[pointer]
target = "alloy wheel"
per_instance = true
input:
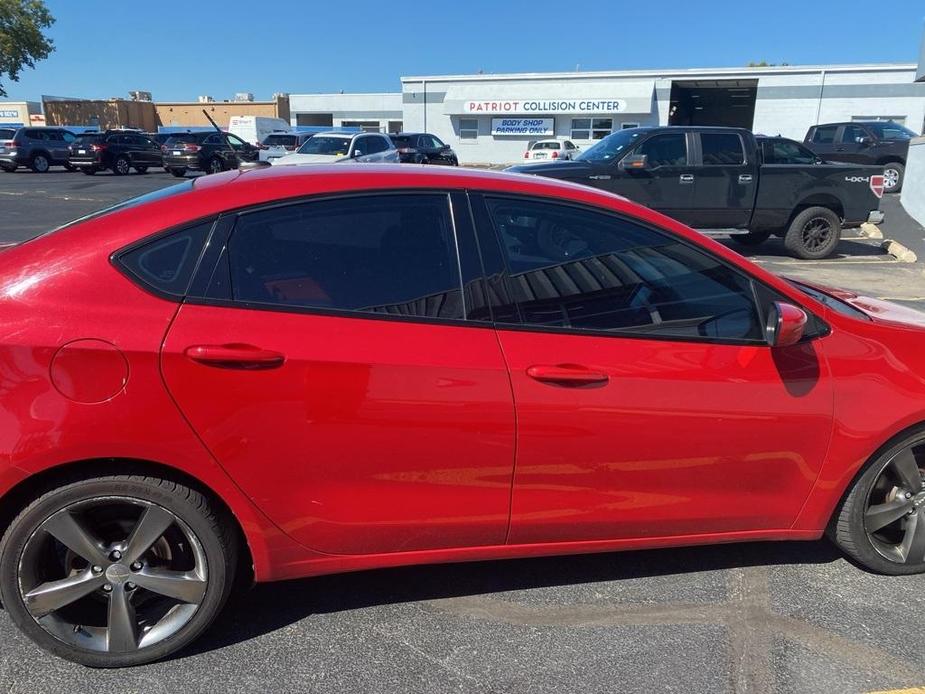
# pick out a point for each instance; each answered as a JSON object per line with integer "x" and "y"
{"x": 122, "y": 166}
{"x": 816, "y": 233}
{"x": 40, "y": 163}
{"x": 113, "y": 574}
{"x": 890, "y": 178}
{"x": 894, "y": 515}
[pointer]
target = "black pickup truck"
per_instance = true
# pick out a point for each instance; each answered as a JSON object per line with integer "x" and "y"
{"x": 726, "y": 178}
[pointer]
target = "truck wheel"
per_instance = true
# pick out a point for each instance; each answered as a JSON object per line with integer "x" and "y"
{"x": 813, "y": 234}
{"x": 893, "y": 177}
{"x": 752, "y": 238}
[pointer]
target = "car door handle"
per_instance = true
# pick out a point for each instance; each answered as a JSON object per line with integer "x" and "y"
{"x": 745, "y": 178}
{"x": 235, "y": 356}
{"x": 687, "y": 178}
{"x": 599, "y": 177}
{"x": 567, "y": 375}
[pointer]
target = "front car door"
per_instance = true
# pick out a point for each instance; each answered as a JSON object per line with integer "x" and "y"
{"x": 822, "y": 141}
{"x": 853, "y": 144}
{"x": 726, "y": 182}
{"x": 648, "y": 403}
{"x": 330, "y": 367}
{"x": 667, "y": 182}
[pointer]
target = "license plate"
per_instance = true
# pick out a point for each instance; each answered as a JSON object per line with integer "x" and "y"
{"x": 81, "y": 151}
{"x": 176, "y": 153}
{"x": 539, "y": 155}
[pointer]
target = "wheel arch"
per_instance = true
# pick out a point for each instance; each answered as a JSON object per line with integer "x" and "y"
{"x": 826, "y": 200}
{"x": 890, "y": 159}
{"x": 26, "y": 490}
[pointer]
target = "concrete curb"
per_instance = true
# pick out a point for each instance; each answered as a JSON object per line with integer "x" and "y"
{"x": 899, "y": 251}
{"x": 871, "y": 231}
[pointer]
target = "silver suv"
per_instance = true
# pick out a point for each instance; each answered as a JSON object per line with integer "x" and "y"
{"x": 37, "y": 148}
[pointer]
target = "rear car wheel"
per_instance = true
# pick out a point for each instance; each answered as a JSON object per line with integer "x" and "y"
{"x": 752, "y": 238}
{"x": 8, "y": 169}
{"x": 179, "y": 173}
{"x": 893, "y": 174}
{"x": 70, "y": 167}
{"x": 215, "y": 165}
{"x": 121, "y": 166}
{"x": 881, "y": 523}
{"x": 813, "y": 234}
{"x": 39, "y": 163}
{"x": 88, "y": 170}
{"x": 141, "y": 169}
{"x": 116, "y": 571}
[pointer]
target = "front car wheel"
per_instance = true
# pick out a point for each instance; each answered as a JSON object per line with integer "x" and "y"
{"x": 116, "y": 571}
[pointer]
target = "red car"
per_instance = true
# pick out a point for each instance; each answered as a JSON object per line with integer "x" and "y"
{"x": 291, "y": 372}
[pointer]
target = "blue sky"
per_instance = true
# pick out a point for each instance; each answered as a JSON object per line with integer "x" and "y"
{"x": 178, "y": 50}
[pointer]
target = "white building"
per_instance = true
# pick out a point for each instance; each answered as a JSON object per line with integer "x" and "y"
{"x": 372, "y": 112}
{"x": 493, "y": 118}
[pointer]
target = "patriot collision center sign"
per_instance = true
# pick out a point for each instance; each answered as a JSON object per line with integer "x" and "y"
{"x": 541, "y": 127}
{"x": 547, "y": 106}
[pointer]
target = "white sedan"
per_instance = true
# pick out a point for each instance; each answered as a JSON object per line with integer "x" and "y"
{"x": 325, "y": 148}
{"x": 543, "y": 150}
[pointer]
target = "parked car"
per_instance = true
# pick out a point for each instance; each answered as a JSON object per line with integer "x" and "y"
{"x": 280, "y": 144}
{"x": 325, "y": 148}
{"x": 37, "y": 148}
{"x": 253, "y": 129}
{"x": 543, "y": 150}
{"x": 713, "y": 178}
{"x": 423, "y": 148}
{"x": 345, "y": 368}
{"x": 160, "y": 138}
{"x": 205, "y": 151}
{"x": 883, "y": 143}
{"x": 118, "y": 150}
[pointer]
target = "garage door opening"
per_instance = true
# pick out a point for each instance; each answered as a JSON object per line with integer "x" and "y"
{"x": 729, "y": 103}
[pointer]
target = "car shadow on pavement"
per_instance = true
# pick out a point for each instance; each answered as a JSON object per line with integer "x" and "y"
{"x": 269, "y": 607}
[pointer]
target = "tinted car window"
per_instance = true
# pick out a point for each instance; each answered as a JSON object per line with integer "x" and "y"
{"x": 584, "y": 270}
{"x": 167, "y": 264}
{"x": 88, "y": 139}
{"x": 825, "y": 135}
{"x": 6, "y": 134}
{"x": 376, "y": 144}
{"x": 665, "y": 150}
{"x": 722, "y": 149}
{"x": 852, "y": 134}
{"x": 390, "y": 254}
{"x": 547, "y": 145}
{"x": 889, "y": 130}
{"x": 786, "y": 152}
{"x": 182, "y": 138}
{"x": 404, "y": 141}
{"x": 280, "y": 140}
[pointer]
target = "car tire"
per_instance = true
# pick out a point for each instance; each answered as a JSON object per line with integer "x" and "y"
{"x": 752, "y": 238}
{"x": 179, "y": 173}
{"x": 893, "y": 174}
{"x": 141, "y": 169}
{"x": 40, "y": 163}
{"x": 880, "y": 490}
{"x": 70, "y": 167}
{"x": 30, "y": 553}
{"x": 121, "y": 166}
{"x": 88, "y": 170}
{"x": 813, "y": 234}
{"x": 215, "y": 165}
{"x": 8, "y": 169}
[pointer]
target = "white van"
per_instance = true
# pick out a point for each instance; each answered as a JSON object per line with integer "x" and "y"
{"x": 254, "y": 128}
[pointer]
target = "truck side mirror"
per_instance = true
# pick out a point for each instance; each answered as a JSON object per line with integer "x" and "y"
{"x": 635, "y": 162}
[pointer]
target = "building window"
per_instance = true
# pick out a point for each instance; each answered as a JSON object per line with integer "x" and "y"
{"x": 468, "y": 128}
{"x": 627, "y": 126}
{"x": 591, "y": 128}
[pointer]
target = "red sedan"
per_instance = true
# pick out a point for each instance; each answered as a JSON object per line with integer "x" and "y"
{"x": 304, "y": 371}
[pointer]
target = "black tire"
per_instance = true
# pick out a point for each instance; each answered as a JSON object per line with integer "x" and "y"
{"x": 893, "y": 174}
{"x": 752, "y": 238}
{"x": 215, "y": 165}
{"x": 121, "y": 166}
{"x": 848, "y": 528}
{"x": 813, "y": 234}
{"x": 70, "y": 167}
{"x": 88, "y": 170}
{"x": 215, "y": 539}
{"x": 141, "y": 169}
{"x": 8, "y": 169}
{"x": 179, "y": 173}
{"x": 40, "y": 163}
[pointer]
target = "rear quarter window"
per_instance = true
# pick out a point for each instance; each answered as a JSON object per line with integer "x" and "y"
{"x": 166, "y": 264}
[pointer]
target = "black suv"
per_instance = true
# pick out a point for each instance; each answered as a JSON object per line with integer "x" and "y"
{"x": 206, "y": 151}
{"x": 37, "y": 148}
{"x": 423, "y": 148}
{"x": 885, "y": 143}
{"x": 118, "y": 150}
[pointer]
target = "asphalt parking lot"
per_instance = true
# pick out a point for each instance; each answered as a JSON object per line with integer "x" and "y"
{"x": 787, "y": 617}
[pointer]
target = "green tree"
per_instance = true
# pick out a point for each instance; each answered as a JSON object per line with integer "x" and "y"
{"x": 21, "y": 39}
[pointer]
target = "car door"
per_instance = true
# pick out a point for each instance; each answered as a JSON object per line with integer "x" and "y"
{"x": 57, "y": 147}
{"x": 853, "y": 144}
{"x": 434, "y": 149}
{"x": 823, "y": 142}
{"x": 149, "y": 154}
{"x": 648, "y": 404}
{"x": 332, "y": 371}
{"x": 666, "y": 183}
{"x": 725, "y": 182}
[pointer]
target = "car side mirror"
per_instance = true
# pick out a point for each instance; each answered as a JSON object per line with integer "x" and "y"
{"x": 865, "y": 141}
{"x": 635, "y": 162}
{"x": 445, "y": 148}
{"x": 785, "y": 324}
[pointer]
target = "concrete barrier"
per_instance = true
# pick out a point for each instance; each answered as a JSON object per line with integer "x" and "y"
{"x": 912, "y": 196}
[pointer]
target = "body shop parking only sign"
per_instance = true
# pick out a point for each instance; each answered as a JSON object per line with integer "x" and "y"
{"x": 536, "y": 127}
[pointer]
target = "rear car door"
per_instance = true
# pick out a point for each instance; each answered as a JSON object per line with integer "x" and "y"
{"x": 666, "y": 183}
{"x": 726, "y": 182}
{"x": 330, "y": 366}
{"x": 822, "y": 141}
{"x": 57, "y": 147}
{"x": 648, "y": 404}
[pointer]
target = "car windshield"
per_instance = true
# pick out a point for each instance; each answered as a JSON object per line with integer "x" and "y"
{"x": 280, "y": 140}
{"x": 889, "y": 130}
{"x": 332, "y": 146}
{"x": 611, "y": 146}
{"x": 836, "y": 305}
